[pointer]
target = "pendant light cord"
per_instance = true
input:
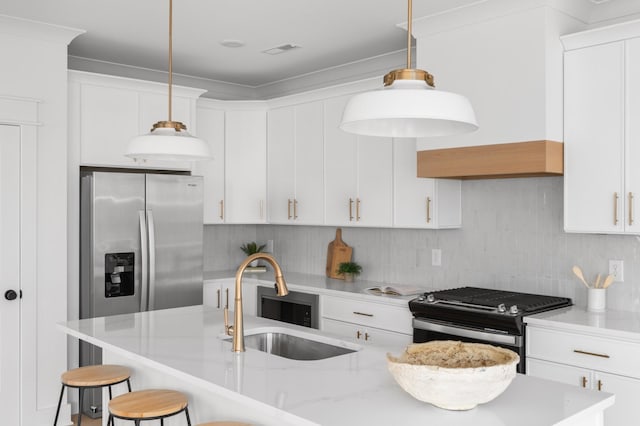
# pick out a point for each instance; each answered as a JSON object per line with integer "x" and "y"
{"x": 171, "y": 53}
{"x": 409, "y": 19}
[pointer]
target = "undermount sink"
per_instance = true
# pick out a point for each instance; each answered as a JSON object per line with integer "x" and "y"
{"x": 299, "y": 346}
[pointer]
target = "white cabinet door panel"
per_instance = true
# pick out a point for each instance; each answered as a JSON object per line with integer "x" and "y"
{"x": 281, "y": 164}
{"x": 309, "y": 164}
{"x": 594, "y": 123}
{"x": 374, "y": 204}
{"x": 211, "y": 129}
{"x": 560, "y": 373}
{"x": 246, "y": 174}
{"x": 632, "y": 136}
{"x": 366, "y": 335}
{"x": 626, "y": 391}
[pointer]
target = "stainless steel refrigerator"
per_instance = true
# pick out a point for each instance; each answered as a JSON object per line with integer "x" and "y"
{"x": 140, "y": 248}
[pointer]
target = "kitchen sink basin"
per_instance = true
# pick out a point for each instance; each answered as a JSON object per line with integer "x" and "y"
{"x": 299, "y": 346}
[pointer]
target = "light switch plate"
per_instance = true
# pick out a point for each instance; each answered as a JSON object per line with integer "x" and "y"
{"x": 436, "y": 257}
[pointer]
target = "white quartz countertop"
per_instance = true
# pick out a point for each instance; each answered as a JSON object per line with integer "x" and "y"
{"x": 612, "y": 324}
{"x": 349, "y": 389}
{"x": 317, "y": 284}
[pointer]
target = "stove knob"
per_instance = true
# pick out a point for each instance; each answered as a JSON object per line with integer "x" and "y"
{"x": 431, "y": 298}
{"x": 501, "y": 308}
{"x": 420, "y": 298}
{"x": 514, "y": 309}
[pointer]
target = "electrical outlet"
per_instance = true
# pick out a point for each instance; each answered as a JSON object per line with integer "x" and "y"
{"x": 436, "y": 257}
{"x": 616, "y": 268}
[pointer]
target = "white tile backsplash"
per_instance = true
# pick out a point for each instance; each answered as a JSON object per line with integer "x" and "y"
{"x": 512, "y": 238}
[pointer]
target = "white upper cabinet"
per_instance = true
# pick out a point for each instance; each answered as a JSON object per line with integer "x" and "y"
{"x": 358, "y": 174}
{"x": 113, "y": 110}
{"x": 422, "y": 202}
{"x": 211, "y": 128}
{"x": 602, "y": 97}
{"x": 295, "y": 164}
{"x": 245, "y": 172}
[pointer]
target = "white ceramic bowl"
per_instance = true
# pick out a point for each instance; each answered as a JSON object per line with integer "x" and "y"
{"x": 458, "y": 388}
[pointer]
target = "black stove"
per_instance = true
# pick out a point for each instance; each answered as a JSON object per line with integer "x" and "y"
{"x": 476, "y": 314}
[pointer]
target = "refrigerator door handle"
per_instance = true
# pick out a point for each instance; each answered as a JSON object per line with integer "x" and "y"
{"x": 152, "y": 260}
{"x": 144, "y": 283}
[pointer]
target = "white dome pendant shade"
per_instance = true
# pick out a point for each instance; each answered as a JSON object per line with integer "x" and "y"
{"x": 168, "y": 140}
{"x": 408, "y": 106}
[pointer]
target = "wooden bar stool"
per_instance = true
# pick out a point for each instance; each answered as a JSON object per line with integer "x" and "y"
{"x": 150, "y": 404}
{"x": 92, "y": 376}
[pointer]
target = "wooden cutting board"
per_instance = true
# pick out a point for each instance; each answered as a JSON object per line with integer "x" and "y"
{"x": 337, "y": 253}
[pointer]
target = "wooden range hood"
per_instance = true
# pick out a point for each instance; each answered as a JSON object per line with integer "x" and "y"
{"x": 520, "y": 159}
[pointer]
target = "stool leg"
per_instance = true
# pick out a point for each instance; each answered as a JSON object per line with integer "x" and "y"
{"x": 110, "y": 421}
{"x": 110, "y": 396}
{"x": 55, "y": 422}
{"x": 81, "y": 390}
{"x": 129, "y": 385}
{"x": 186, "y": 412}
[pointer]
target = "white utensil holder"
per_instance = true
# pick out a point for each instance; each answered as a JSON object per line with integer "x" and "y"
{"x": 596, "y": 299}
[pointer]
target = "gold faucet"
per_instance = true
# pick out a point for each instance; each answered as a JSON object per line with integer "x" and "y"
{"x": 237, "y": 330}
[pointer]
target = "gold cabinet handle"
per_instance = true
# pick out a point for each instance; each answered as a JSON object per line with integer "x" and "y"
{"x": 227, "y": 296}
{"x": 295, "y": 209}
{"x": 630, "y": 208}
{"x": 362, "y": 313}
{"x": 615, "y": 208}
{"x": 358, "y": 334}
{"x": 357, "y": 209}
{"x": 218, "y": 291}
{"x": 366, "y": 336}
{"x": 221, "y": 209}
{"x": 599, "y": 385}
{"x": 289, "y": 208}
{"x": 428, "y": 209}
{"x": 584, "y": 382}
{"x": 350, "y": 209}
{"x": 591, "y": 353}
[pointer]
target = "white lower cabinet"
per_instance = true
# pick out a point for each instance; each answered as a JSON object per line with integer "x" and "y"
{"x": 220, "y": 294}
{"x": 589, "y": 362}
{"x": 367, "y": 322}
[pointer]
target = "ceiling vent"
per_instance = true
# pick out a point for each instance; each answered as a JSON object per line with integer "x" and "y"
{"x": 280, "y": 49}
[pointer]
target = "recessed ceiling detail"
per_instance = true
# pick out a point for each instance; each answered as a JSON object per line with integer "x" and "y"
{"x": 281, "y": 49}
{"x": 232, "y": 43}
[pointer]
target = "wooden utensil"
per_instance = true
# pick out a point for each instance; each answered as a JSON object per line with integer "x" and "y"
{"x": 337, "y": 252}
{"x": 578, "y": 272}
{"x": 597, "y": 282}
{"x": 608, "y": 281}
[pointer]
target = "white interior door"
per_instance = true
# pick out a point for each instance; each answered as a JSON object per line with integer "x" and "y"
{"x": 10, "y": 274}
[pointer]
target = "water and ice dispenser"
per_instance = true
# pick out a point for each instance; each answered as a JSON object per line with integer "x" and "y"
{"x": 118, "y": 274}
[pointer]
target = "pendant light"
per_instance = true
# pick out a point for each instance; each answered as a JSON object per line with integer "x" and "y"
{"x": 168, "y": 140}
{"x": 408, "y": 106}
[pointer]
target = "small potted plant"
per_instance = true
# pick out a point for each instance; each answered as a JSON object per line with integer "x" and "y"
{"x": 349, "y": 270}
{"x": 252, "y": 248}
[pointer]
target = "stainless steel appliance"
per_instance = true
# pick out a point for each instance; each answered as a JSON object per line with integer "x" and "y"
{"x": 481, "y": 315}
{"x": 295, "y": 308}
{"x": 140, "y": 248}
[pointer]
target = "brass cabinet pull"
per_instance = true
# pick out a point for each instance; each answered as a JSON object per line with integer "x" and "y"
{"x": 584, "y": 382}
{"x": 358, "y": 334}
{"x": 222, "y": 209}
{"x": 362, "y": 313}
{"x": 428, "y": 209}
{"x": 295, "y": 209}
{"x": 366, "y": 336}
{"x": 615, "y": 208}
{"x": 288, "y": 208}
{"x": 599, "y": 385}
{"x": 350, "y": 209}
{"x": 631, "y": 208}
{"x": 218, "y": 291}
{"x": 591, "y": 353}
{"x": 227, "y": 303}
{"x": 357, "y": 209}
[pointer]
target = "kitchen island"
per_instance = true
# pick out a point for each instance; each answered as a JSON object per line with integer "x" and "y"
{"x": 184, "y": 349}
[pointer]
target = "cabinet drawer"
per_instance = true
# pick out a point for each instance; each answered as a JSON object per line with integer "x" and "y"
{"x": 367, "y": 335}
{"x": 386, "y": 317}
{"x": 597, "y": 353}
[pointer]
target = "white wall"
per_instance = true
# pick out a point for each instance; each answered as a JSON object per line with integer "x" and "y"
{"x": 34, "y": 66}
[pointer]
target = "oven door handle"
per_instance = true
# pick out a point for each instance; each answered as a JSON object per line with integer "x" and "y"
{"x": 505, "y": 339}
